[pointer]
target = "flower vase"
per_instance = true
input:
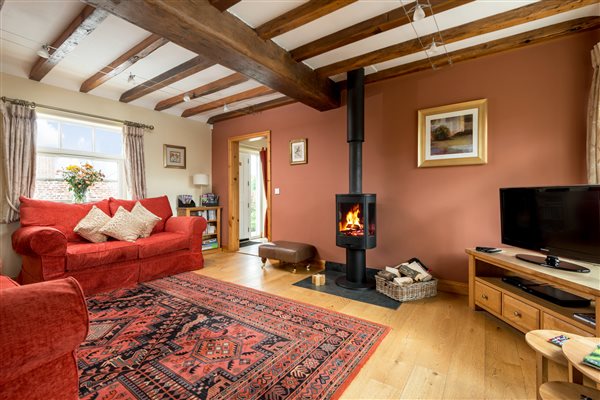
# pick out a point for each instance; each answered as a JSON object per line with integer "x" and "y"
{"x": 80, "y": 197}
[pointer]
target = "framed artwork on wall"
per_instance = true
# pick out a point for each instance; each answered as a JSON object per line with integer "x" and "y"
{"x": 173, "y": 156}
{"x": 454, "y": 134}
{"x": 298, "y": 151}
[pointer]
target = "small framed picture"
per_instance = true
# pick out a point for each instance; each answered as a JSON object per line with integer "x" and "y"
{"x": 298, "y": 151}
{"x": 454, "y": 134}
{"x": 173, "y": 156}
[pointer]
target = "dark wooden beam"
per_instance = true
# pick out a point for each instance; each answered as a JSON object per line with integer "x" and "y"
{"x": 201, "y": 28}
{"x": 372, "y": 26}
{"x": 212, "y": 87}
{"x": 267, "y": 105}
{"x": 81, "y": 26}
{"x": 493, "y": 23}
{"x": 248, "y": 94}
{"x": 124, "y": 61}
{"x": 299, "y": 16}
{"x": 178, "y": 73}
{"x": 509, "y": 43}
{"x": 223, "y": 5}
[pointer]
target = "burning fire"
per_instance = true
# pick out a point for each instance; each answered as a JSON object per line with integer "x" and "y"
{"x": 352, "y": 225}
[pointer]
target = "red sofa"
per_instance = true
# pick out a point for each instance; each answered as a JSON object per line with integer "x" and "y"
{"x": 50, "y": 249}
{"x": 42, "y": 327}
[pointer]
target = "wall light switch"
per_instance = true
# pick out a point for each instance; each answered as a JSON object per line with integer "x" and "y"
{"x": 276, "y": 190}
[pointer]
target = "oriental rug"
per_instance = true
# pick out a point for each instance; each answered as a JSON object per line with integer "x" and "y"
{"x": 193, "y": 337}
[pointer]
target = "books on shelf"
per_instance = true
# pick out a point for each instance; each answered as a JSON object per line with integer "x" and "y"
{"x": 209, "y": 215}
{"x": 209, "y": 244}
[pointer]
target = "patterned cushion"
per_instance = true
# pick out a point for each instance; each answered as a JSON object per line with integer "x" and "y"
{"x": 123, "y": 226}
{"x": 157, "y": 205}
{"x": 148, "y": 218}
{"x": 89, "y": 226}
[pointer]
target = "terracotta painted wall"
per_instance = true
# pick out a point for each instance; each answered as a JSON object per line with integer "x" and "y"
{"x": 537, "y": 99}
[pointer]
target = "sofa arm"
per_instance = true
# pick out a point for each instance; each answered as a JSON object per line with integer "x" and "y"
{"x": 40, "y": 323}
{"x": 39, "y": 241}
{"x": 192, "y": 226}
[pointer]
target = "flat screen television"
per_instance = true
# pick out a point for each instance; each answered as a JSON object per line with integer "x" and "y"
{"x": 557, "y": 221}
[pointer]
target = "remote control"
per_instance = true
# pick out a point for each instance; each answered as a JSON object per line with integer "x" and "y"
{"x": 484, "y": 249}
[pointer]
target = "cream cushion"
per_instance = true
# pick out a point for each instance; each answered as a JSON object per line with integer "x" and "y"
{"x": 147, "y": 217}
{"x": 90, "y": 225}
{"x": 123, "y": 226}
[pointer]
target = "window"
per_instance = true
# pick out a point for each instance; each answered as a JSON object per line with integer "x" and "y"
{"x": 62, "y": 142}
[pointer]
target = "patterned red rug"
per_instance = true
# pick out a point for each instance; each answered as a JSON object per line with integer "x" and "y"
{"x": 193, "y": 337}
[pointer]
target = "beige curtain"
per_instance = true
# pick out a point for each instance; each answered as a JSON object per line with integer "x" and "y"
{"x": 593, "y": 126}
{"x": 135, "y": 166}
{"x": 18, "y": 136}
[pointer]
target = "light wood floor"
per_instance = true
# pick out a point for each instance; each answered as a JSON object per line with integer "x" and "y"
{"x": 438, "y": 348}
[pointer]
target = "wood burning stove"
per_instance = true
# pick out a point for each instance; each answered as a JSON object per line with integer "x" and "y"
{"x": 356, "y": 224}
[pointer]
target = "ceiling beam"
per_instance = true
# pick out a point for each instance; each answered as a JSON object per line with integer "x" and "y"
{"x": 253, "y": 109}
{"x": 493, "y": 23}
{"x": 248, "y": 94}
{"x": 178, "y": 73}
{"x": 299, "y": 16}
{"x": 124, "y": 61}
{"x": 81, "y": 26}
{"x": 509, "y": 43}
{"x": 372, "y": 26}
{"x": 201, "y": 28}
{"x": 212, "y": 87}
{"x": 223, "y": 5}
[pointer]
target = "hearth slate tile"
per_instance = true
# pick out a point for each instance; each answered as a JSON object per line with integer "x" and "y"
{"x": 333, "y": 271}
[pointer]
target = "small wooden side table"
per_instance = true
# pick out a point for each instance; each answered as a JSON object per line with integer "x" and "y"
{"x": 578, "y": 348}
{"x": 567, "y": 391}
{"x": 544, "y": 351}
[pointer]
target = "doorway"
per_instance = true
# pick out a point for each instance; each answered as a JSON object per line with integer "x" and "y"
{"x": 246, "y": 208}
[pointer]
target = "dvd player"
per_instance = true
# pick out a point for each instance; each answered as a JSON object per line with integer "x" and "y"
{"x": 547, "y": 292}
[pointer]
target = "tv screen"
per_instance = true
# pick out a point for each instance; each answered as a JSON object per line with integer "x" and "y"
{"x": 560, "y": 221}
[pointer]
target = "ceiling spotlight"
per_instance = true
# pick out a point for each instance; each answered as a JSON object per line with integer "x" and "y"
{"x": 44, "y": 51}
{"x": 433, "y": 48}
{"x": 186, "y": 98}
{"x": 131, "y": 79}
{"x": 225, "y": 108}
{"x": 419, "y": 13}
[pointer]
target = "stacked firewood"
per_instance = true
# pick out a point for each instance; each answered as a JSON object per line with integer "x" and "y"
{"x": 406, "y": 273}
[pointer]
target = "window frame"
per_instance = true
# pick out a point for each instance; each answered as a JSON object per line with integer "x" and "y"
{"x": 90, "y": 155}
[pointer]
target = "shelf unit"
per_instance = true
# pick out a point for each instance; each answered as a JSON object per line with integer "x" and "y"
{"x": 523, "y": 310}
{"x": 213, "y": 223}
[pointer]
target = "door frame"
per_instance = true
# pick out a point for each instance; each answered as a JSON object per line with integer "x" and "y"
{"x": 233, "y": 166}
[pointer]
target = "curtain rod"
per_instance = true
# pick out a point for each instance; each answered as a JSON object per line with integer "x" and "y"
{"x": 34, "y": 105}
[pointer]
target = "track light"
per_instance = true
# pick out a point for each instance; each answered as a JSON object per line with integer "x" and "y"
{"x": 225, "y": 108}
{"x": 44, "y": 51}
{"x": 419, "y": 13}
{"x": 186, "y": 98}
{"x": 433, "y": 48}
{"x": 131, "y": 79}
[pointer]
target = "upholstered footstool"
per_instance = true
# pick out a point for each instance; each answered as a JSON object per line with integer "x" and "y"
{"x": 287, "y": 252}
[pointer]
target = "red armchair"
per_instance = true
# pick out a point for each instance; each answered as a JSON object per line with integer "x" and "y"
{"x": 50, "y": 249}
{"x": 42, "y": 326}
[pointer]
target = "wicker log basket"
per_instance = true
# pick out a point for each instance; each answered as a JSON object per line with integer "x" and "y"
{"x": 414, "y": 291}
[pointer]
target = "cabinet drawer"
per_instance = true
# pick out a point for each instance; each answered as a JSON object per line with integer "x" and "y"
{"x": 557, "y": 324}
{"x": 523, "y": 316}
{"x": 488, "y": 297}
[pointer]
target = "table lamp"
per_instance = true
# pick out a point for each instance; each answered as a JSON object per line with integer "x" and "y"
{"x": 200, "y": 180}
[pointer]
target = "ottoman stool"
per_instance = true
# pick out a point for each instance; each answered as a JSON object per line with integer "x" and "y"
{"x": 288, "y": 252}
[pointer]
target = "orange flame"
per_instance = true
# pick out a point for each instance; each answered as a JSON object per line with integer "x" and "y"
{"x": 352, "y": 220}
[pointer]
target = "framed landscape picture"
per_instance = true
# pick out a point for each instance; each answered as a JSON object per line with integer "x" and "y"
{"x": 298, "y": 151}
{"x": 455, "y": 134}
{"x": 173, "y": 156}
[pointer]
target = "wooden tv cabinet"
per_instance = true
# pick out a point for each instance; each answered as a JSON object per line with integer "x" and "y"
{"x": 523, "y": 310}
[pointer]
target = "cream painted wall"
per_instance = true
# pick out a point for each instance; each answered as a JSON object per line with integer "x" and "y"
{"x": 168, "y": 129}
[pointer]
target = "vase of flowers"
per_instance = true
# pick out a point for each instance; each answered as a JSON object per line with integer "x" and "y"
{"x": 79, "y": 178}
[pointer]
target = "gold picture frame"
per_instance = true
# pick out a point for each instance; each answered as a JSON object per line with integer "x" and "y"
{"x": 454, "y": 134}
{"x": 174, "y": 156}
{"x": 298, "y": 151}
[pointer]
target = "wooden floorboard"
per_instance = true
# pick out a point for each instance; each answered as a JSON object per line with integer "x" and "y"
{"x": 438, "y": 348}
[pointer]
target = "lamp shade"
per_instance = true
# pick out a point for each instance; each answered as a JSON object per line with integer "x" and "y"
{"x": 200, "y": 179}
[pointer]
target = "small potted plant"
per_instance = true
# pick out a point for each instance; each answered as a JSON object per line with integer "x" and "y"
{"x": 80, "y": 178}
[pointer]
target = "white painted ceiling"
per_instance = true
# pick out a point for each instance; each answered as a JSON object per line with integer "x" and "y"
{"x": 25, "y": 25}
